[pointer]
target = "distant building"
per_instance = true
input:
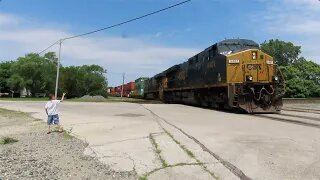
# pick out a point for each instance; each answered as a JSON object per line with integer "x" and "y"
{"x": 25, "y": 93}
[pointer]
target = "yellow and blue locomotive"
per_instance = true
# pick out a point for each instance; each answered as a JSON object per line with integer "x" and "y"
{"x": 233, "y": 73}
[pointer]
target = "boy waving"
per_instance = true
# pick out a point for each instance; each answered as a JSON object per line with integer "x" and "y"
{"x": 52, "y": 111}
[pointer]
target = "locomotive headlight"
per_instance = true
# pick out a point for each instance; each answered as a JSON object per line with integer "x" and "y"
{"x": 275, "y": 78}
{"x": 249, "y": 78}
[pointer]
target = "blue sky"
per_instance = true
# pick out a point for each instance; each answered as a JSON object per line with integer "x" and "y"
{"x": 147, "y": 46}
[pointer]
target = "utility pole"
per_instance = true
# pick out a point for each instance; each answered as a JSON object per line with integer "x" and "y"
{"x": 123, "y": 74}
{"x": 58, "y": 68}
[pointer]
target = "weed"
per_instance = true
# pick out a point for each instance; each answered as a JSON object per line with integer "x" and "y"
{"x": 7, "y": 140}
{"x": 190, "y": 154}
{"x": 157, "y": 150}
{"x": 67, "y": 133}
{"x": 143, "y": 178}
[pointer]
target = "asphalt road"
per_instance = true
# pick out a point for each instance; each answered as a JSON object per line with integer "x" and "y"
{"x": 169, "y": 141}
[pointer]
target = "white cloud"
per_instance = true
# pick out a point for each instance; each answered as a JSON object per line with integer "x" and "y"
{"x": 294, "y": 20}
{"x": 297, "y": 25}
{"x": 131, "y": 55}
{"x": 310, "y": 4}
{"x": 8, "y": 19}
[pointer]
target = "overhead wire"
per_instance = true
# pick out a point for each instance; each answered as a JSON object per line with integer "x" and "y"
{"x": 115, "y": 25}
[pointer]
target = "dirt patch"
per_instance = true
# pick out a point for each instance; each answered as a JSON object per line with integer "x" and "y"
{"x": 38, "y": 155}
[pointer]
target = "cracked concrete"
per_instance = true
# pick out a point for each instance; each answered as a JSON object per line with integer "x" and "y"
{"x": 226, "y": 135}
{"x": 118, "y": 134}
{"x": 171, "y": 152}
{"x": 188, "y": 172}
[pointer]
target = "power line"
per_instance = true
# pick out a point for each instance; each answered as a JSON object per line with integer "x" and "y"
{"x": 49, "y": 47}
{"x": 115, "y": 25}
{"x": 128, "y": 21}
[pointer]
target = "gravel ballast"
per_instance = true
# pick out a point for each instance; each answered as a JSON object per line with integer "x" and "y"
{"x": 38, "y": 155}
{"x": 93, "y": 98}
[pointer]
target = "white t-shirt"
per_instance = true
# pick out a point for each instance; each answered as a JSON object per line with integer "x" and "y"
{"x": 52, "y": 107}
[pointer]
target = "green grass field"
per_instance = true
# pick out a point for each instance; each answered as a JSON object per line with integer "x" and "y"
{"x": 109, "y": 99}
{"x": 22, "y": 99}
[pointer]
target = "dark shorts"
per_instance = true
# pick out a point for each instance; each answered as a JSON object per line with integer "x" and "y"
{"x": 53, "y": 119}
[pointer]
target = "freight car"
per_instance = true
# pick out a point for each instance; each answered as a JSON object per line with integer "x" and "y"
{"x": 233, "y": 73}
{"x": 128, "y": 89}
{"x": 139, "y": 87}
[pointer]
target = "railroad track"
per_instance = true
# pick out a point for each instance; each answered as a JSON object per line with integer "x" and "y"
{"x": 314, "y": 111}
{"x": 300, "y": 116}
{"x": 298, "y": 119}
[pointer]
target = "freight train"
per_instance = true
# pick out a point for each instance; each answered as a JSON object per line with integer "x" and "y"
{"x": 132, "y": 89}
{"x": 231, "y": 74}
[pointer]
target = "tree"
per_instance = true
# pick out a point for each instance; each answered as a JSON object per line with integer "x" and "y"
{"x": 284, "y": 53}
{"x": 36, "y": 73}
{"x": 5, "y": 74}
{"x": 302, "y": 76}
{"x": 302, "y": 79}
{"x": 16, "y": 82}
{"x": 83, "y": 80}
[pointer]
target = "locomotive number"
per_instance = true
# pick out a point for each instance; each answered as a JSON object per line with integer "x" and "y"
{"x": 253, "y": 66}
{"x": 269, "y": 62}
{"x": 234, "y": 61}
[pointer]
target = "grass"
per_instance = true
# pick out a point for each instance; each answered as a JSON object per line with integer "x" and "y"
{"x": 190, "y": 154}
{"x": 11, "y": 114}
{"x": 164, "y": 163}
{"x": 187, "y": 151}
{"x": 7, "y": 140}
{"x": 109, "y": 99}
{"x": 23, "y": 99}
{"x": 157, "y": 150}
{"x": 143, "y": 178}
{"x": 67, "y": 133}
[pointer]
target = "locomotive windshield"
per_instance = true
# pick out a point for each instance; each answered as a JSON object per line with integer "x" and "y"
{"x": 233, "y": 46}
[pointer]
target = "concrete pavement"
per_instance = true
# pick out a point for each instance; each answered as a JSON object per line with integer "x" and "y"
{"x": 164, "y": 141}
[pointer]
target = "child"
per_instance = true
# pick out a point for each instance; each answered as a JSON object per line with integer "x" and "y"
{"x": 52, "y": 111}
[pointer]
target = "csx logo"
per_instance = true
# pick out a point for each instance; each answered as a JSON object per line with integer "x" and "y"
{"x": 254, "y": 66}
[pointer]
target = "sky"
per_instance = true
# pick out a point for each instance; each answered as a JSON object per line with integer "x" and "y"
{"x": 148, "y": 46}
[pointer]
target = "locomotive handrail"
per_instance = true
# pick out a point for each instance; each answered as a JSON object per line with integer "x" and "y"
{"x": 268, "y": 91}
{"x": 260, "y": 93}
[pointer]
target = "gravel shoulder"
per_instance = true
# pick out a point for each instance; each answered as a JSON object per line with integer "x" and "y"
{"x": 38, "y": 155}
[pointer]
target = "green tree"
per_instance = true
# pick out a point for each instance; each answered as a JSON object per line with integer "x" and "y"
{"x": 16, "y": 82}
{"x": 5, "y": 74}
{"x": 83, "y": 80}
{"x": 36, "y": 73}
{"x": 302, "y": 76}
{"x": 284, "y": 53}
{"x": 302, "y": 79}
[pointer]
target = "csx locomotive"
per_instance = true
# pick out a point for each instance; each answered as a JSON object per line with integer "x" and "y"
{"x": 233, "y": 73}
